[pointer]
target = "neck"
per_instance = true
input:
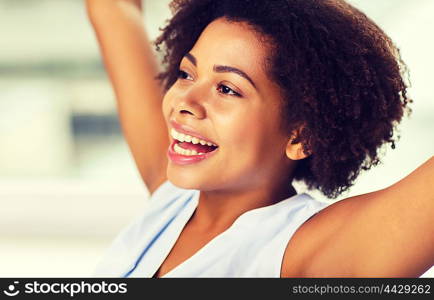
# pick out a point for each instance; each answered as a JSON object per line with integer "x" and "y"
{"x": 218, "y": 209}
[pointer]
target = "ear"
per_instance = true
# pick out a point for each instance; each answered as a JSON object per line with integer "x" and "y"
{"x": 294, "y": 149}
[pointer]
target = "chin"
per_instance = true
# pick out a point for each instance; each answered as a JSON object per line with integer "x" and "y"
{"x": 184, "y": 179}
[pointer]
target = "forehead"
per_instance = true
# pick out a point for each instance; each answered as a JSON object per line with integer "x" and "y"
{"x": 231, "y": 43}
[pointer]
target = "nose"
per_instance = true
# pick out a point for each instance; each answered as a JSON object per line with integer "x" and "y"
{"x": 189, "y": 104}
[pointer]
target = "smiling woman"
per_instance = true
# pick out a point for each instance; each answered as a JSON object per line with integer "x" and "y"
{"x": 221, "y": 93}
{"x": 257, "y": 94}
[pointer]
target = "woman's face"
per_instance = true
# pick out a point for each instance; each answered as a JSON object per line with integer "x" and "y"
{"x": 224, "y": 95}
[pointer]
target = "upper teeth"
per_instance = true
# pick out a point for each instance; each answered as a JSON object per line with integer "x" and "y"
{"x": 188, "y": 138}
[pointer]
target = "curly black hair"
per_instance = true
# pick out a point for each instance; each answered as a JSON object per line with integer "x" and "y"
{"x": 342, "y": 78}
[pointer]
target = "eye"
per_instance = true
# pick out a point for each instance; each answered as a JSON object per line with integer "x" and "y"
{"x": 227, "y": 90}
{"x": 184, "y": 75}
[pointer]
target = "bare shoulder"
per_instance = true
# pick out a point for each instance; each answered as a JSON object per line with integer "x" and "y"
{"x": 315, "y": 240}
{"x": 386, "y": 233}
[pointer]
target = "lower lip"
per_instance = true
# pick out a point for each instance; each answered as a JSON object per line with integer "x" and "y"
{"x": 186, "y": 159}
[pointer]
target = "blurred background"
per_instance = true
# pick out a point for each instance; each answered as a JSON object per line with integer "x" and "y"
{"x": 68, "y": 183}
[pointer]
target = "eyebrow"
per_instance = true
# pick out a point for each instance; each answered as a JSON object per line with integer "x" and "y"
{"x": 222, "y": 69}
{"x": 191, "y": 58}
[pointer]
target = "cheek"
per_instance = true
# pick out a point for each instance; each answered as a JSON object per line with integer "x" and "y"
{"x": 246, "y": 136}
{"x": 253, "y": 138}
{"x": 166, "y": 104}
{"x": 165, "y": 107}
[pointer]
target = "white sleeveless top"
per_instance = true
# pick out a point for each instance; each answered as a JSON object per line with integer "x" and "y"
{"x": 253, "y": 246}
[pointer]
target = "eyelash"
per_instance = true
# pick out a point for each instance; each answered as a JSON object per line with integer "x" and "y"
{"x": 184, "y": 75}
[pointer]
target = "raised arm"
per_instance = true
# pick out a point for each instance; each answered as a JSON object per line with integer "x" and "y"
{"x": 132, "y": 68}
{"x": 399, "y": 238}
{"x": 387, "y": 233}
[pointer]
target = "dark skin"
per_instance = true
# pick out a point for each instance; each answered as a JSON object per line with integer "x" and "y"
{"x": 358, "y": 236}
{"x": 227, "y": 108}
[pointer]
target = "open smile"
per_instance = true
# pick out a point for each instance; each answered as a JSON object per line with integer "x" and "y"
{"x": 187, "y": 149}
